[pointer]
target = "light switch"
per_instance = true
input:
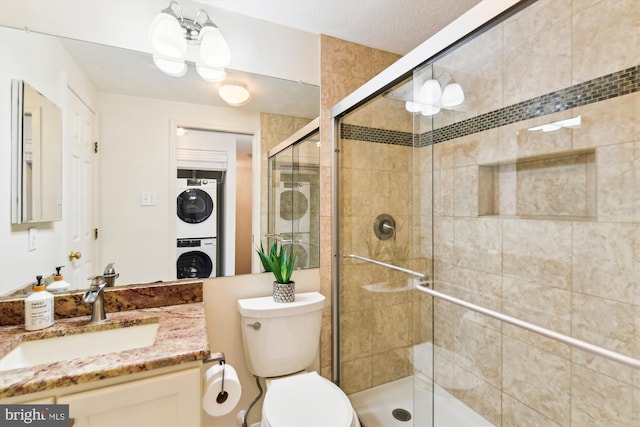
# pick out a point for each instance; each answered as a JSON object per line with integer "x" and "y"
{"x": 33, "y": 238}
{"x": 148, "y": 198}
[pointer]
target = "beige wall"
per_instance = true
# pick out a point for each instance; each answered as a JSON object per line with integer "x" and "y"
{"x": 243, "y": 217}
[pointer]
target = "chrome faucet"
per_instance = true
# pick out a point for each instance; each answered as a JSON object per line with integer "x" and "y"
{"x": 95, "y": 297}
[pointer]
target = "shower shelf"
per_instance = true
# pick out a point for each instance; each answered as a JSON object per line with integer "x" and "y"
{"x": 555, "y": 187}
{"x": 384, "y": 287}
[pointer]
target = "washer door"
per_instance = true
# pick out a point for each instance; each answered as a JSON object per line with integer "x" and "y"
{"x": 194, "y": 206}
{"x": 194, "y": 265}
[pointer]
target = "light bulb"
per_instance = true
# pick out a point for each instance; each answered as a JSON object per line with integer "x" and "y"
{"x": 452, "y": 95}
{"x": 429, "y": 110}
{"x": 211, "y": 74}
{"x": 214, "y": 50}
{"x": 167, "y": 36}
{"x": 412, "y": 107}
{"x": 170, "y": 66}
{"x": 430, "y": 92}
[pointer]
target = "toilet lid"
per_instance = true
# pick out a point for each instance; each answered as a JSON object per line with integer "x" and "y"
{"x": 306, "y": 400}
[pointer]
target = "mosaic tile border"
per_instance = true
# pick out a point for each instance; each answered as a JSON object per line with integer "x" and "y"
{"x": 601, "y": 88}
{"x": 379, "y": 136}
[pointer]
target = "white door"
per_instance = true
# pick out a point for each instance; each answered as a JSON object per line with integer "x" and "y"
{"x": 82, "y": 170}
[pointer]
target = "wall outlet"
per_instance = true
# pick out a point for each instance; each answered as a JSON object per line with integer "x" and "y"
{"x": 148, "y": 198}
{"x": 33, "y": 238}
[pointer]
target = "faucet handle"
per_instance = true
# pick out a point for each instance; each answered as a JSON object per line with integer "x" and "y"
{"x": 97, "y": 283}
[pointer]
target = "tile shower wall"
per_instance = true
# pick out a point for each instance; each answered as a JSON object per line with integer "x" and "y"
{"x": 345, "y": 66}
{"x": 543, "y": 226}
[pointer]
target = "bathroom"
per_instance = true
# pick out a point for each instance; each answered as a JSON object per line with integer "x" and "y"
{"x": 480, "y": 253}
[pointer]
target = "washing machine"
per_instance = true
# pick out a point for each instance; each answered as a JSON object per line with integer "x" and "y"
{"x": 292, "y": 206}
{"x": 196, "y": 207}
{"x": 196, "y": 258}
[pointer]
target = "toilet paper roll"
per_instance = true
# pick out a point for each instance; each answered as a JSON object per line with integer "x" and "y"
{"x": 213, "y": 387}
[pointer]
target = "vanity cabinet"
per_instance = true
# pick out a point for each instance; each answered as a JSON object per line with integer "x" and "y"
{"x": 170, "y": 400}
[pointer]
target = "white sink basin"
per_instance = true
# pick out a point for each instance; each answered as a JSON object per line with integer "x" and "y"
{"x": 68, "y": 347}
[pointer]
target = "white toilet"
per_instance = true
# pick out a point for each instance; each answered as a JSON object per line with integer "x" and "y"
{"x": 281, "y": 340}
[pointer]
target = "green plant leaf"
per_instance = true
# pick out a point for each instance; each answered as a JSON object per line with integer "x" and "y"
{"x": 280, "y": 261}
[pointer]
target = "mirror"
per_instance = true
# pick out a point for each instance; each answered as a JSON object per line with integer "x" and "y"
{"x": 294, "y": 195}
{"x": 133, "y": 160}
{"x": 36, "y": 131}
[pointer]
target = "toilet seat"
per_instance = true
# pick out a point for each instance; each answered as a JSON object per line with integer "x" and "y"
{"x": 306, "y": 400}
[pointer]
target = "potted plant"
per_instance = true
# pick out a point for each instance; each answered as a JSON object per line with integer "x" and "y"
{"x": 280, "y": 261}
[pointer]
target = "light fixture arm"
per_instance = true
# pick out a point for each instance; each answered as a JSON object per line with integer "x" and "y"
{"x": 207, "y": 20}
{"x": 169, "y": 10}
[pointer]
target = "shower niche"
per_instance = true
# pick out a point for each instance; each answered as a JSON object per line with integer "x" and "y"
{"x": 558, "y": 186}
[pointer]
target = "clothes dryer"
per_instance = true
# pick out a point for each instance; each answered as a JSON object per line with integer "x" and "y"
{"x": 196, "y": 208}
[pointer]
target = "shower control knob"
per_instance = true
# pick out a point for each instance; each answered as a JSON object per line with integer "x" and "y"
{"x": 256, "y": 326}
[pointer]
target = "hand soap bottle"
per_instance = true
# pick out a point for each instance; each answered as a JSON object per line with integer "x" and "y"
{"x": 38, "y": 308}
{"x": 58, "y": 284}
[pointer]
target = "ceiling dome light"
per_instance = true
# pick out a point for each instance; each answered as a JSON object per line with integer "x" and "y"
{"x": 430, "y": 92}
{"x": 452, "y": 95}
{"x": 429, "y": 110}
{"x": 214, "y": 50}
{"x": 170, "y": 66}
{"x": 235, "y": 94}
{"x": 167, "y": 36}
{"x": 211, "y": 74}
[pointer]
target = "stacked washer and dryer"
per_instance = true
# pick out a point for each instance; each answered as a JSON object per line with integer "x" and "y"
{"x": 196, "y": 228}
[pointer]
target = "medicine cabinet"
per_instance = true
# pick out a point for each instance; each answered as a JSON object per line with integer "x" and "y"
{"x": 36, "y": 134}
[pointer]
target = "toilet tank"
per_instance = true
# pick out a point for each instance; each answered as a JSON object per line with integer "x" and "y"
{"x": 288, "y": 335}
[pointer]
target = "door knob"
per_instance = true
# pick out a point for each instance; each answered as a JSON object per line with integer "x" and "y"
{"x": 74, "y": 255}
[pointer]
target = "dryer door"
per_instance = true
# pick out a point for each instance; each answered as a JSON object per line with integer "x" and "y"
{"x": 194, "y": 206}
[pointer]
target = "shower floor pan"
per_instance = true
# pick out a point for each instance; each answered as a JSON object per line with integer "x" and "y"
{"x": 375, "y": 406}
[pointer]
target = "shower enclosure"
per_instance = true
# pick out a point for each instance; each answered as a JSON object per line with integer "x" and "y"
{"x": 503, "y": 172}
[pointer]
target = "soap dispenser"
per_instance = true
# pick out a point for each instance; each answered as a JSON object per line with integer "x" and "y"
{"x": 38, "y": 308}
{"x": 58, "y": 284}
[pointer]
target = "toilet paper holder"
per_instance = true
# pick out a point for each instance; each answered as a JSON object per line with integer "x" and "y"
{"x": 218, "y": 358}
{"x": 223, "y": 395}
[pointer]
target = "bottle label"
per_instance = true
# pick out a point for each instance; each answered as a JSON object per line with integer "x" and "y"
{"x": 39, "y": 314}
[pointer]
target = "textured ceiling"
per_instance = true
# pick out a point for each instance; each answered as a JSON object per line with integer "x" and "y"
{"x": 396, "y": 26}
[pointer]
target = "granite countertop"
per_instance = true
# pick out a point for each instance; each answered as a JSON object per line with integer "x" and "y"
{"x": 181, "y": 338}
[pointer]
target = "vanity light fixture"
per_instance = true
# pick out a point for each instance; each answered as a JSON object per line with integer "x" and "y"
{"x": 431, "y": 97}
{"x": 234, "y": 93}
{"x": 171, "y": 33}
